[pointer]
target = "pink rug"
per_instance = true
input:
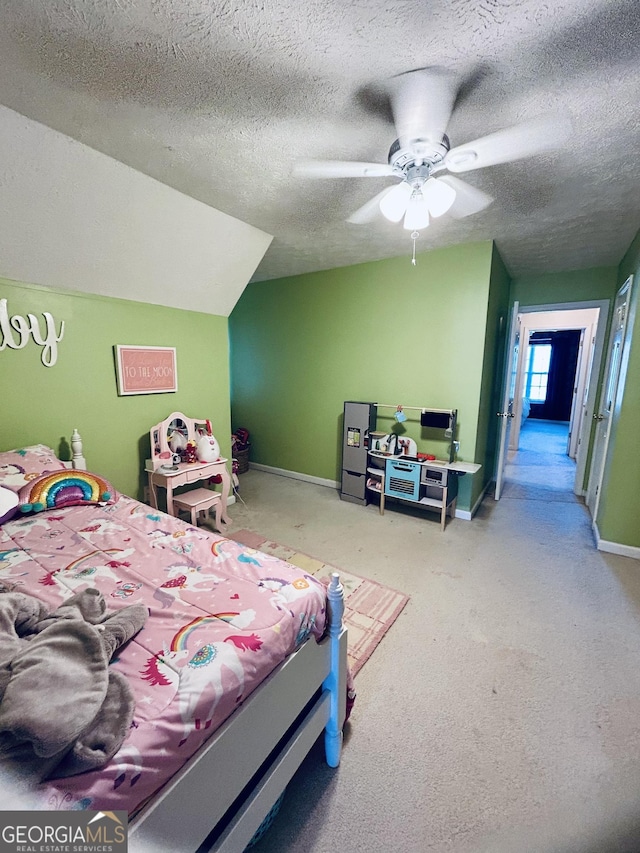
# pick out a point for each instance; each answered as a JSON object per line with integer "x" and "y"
{"x": 370, "y": 608}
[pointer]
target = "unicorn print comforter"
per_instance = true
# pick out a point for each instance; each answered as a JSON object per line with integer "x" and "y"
{"x": 221, "y": 618}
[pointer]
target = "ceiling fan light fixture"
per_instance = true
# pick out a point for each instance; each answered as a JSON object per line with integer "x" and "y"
{"x": 438, "y": 196}
{"x": 417, "y": 215}
{"x": 394, "y": 204}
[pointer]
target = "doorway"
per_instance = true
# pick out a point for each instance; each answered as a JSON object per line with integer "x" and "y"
{"x": 551, "y": 427}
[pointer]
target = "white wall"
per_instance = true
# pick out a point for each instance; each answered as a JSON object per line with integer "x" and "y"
{"x": 75, "y": 219}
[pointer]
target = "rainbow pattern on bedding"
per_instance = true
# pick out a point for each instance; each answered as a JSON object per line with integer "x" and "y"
{"x": 221, "y": 618}
{"x": 181, "y": 639}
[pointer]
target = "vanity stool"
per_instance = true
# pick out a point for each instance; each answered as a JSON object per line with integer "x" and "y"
{"x": 199, "y": 500}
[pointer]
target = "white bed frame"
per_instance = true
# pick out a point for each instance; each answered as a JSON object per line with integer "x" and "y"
{"x": 219, "y": 799}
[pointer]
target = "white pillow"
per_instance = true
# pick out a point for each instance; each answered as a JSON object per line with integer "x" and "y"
{"x": 9, "y": 501}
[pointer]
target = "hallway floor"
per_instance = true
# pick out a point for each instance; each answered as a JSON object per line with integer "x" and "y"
{"x": 540, "y": 469}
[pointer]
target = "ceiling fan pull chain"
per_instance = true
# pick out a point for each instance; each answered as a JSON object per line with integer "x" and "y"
{"x": 414, "y": 237}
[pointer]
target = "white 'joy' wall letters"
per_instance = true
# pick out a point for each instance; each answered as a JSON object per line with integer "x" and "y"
{"x": 15, "y": 332}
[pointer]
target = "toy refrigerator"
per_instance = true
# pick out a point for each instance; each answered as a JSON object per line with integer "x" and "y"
{"x": 359, "y": 420}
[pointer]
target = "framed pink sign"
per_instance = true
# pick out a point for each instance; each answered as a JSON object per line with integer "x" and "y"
{"x": 146, "y": 370}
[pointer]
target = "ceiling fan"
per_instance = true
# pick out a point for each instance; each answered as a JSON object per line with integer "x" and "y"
{"x": 422, "y": 102}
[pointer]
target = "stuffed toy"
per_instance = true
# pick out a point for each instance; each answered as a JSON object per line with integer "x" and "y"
{"x": 190, "y": 454}
{"x": 63, "y": 710}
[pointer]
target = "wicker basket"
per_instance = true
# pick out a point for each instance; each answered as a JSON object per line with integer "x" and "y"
{"x": 243, "y": 460}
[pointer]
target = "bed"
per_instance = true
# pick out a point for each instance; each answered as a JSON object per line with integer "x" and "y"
{"x": 239, "y": 668}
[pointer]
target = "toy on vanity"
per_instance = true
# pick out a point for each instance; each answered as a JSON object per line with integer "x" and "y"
{"x": 177, "y": 442}
{"x": 190, "y": 452}
{"x": 182, "y": 439}
{"x": 207, "y": 448}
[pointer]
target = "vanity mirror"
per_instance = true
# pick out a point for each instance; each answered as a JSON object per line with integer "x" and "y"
{"x": 176, "y": 438}
{"x": 177, "y": 435}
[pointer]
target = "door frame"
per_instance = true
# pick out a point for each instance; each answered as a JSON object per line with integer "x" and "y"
{"x": 586, "y": 432}
{"x": 509, "y": 384}
{"x": 580, "y": 387}
{"x": 586, "y": 320}
{"x": 596, "y": 474}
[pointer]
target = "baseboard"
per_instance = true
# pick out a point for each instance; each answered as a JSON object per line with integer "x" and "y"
{"x": 295, "y": 475}
{"x": 465, "y": 514}
{"x": 615, "y": 547}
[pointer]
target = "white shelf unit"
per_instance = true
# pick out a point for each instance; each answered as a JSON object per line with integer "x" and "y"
{"x": 436, "y": 503}
{"x": 375, "y": 479}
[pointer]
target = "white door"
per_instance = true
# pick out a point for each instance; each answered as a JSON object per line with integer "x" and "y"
{"x": 508, "y": 390}
{"x": 608, "y": 396}
{"x": 575, "y": 418}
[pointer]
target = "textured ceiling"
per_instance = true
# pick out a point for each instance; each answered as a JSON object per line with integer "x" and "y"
{"x": 221, "y": 99}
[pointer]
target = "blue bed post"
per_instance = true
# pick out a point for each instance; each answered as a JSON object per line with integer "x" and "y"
{"x": 333, "y": 729}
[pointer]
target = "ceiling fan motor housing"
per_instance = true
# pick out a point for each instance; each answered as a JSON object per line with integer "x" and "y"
{"x": 418, "y": 159}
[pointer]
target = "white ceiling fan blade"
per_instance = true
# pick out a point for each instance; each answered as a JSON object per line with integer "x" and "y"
{"x": 370, "y": 210}
{"x": 342, "y": 169}
{"x": 469, "y": 200}
{"x": 513, "y": 143}
{"x": 422, "y": 102}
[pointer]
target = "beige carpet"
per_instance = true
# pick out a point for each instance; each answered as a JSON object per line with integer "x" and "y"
{"x": 370, "y": 607}
{"x": 501, "y": 713}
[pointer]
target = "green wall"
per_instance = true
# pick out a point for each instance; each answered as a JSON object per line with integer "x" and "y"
{"x": 44, "y": 404}
{"x": 492, "y": 371}
{"x": 618, "y": 516}
{"x": 568, "y": 286}
{"x": 384, "y": 331}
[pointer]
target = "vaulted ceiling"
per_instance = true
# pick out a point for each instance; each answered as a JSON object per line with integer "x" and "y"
{"x": 220, "y": 100}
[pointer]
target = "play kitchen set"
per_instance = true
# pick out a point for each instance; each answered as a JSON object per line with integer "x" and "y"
{"x": 377, "y": 466}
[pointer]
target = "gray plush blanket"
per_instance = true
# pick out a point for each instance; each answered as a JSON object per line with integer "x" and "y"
{"x": 63, "y": 710}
